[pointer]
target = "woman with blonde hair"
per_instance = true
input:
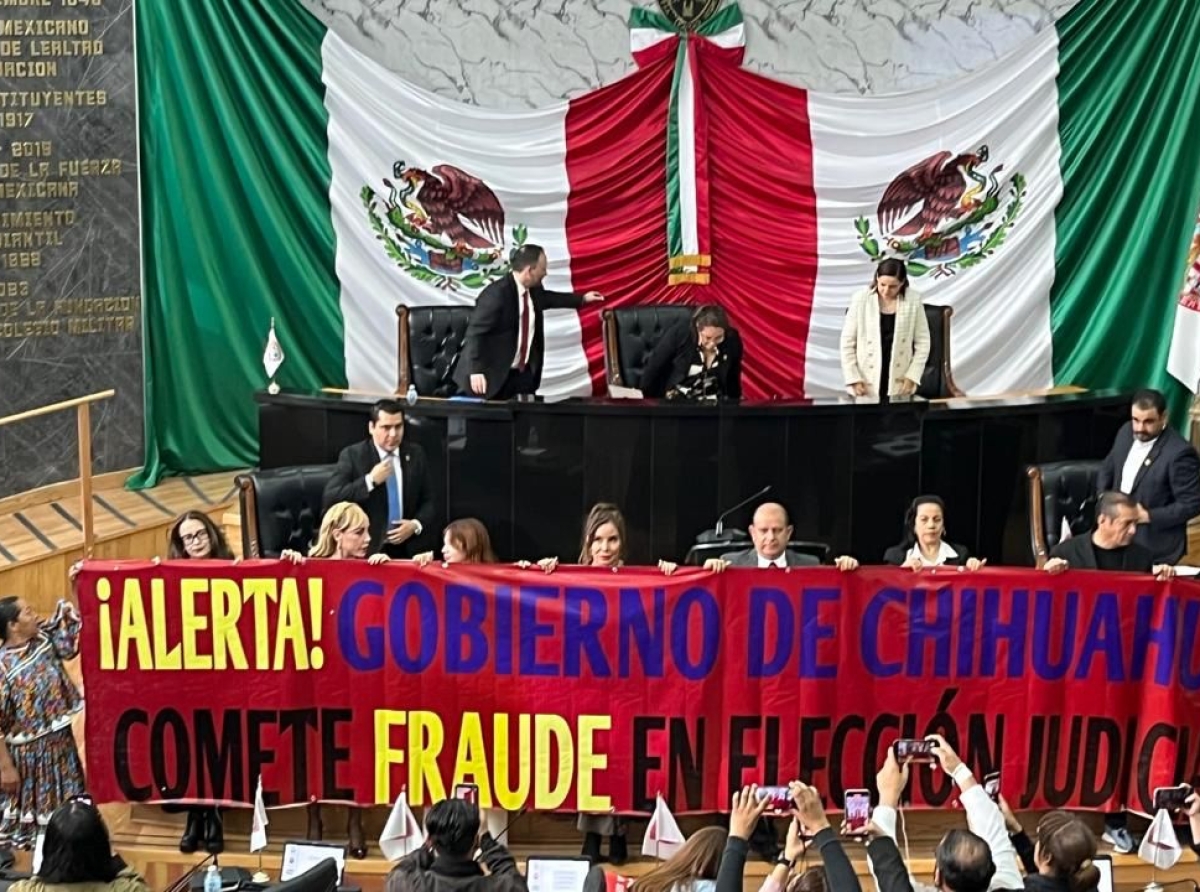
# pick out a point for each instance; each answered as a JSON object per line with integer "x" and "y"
{"x": 345, "y": 535}
{"x": 692, "y": 869}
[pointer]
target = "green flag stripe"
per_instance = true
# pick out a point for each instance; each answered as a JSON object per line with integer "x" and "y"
{"x": 236, "y": 223}
{"x": 1129, "y": 105}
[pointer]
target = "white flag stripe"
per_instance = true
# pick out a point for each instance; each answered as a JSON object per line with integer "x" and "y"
{"x": 663, "y": 837}
{"x": 1160, "y": 846}
{"x": 1184, "y": 359}
{"x": 375, "y": 120}
{"x": 1001, "y": 324}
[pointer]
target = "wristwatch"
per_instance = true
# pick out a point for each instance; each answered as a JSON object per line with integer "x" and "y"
{"x": 785, "y": 861}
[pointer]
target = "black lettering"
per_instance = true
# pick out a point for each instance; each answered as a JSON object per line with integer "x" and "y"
{"x": 258, "y": 756}
{"x": 739, "y": 760}
{"x": 686, "y": 761}
{"x": 296, "y": 722}
{"x": 170, "y": 787}
{"x": 333, "y": 755}
{"x": 812, "y": 760}
{"x": 771, "y": 751}
{"x": 219, "y": 761}
{"x": 1059, "y": 795}
{"x": 132, "y": 791}
{"x": 643, "y": 762}
{"x": 1096, "y": 786}
{"x": 837, "y": 790}
{"x": 1033, "y": 779}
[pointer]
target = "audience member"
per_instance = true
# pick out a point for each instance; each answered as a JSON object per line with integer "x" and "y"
{"x": 1064, "y": 849}
{"x": 1160, "y": 471}
{"x": 505, "y": 340}
{"x": 388, "y": 478}
{"x": 1111, "y": 545}
{"x": 770, "y": 531}
{"x": 1017, "y": 835}
{"x": 696, "y": 359}
{"x": 838, "y": 874}
{"x": 77, "y": 855}
{"x": 692, "y": 869}
{"x": 885, "y": 336}
{"x": 39, "y": 765}
{"x": 344, "y": 536}
{"x": 447, "y": 862}
{"x": 924, "y": 543}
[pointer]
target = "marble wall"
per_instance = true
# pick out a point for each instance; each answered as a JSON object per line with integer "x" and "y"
{"x": 530, "y": 53}
{"x": 70, "y": 292}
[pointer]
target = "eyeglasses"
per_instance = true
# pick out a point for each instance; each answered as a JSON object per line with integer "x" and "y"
{"x": 196, "y": 537}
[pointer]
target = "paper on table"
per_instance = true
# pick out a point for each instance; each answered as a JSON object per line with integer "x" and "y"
{"x": 617, "y": 392}
{"x": 556, "y": 874}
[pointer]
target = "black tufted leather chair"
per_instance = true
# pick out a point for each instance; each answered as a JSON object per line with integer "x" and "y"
{"x": 431, "y": 339}
{"x": 281, "y": 508}
{"x": 629, "y": 336}
{"x": 937, "y": 381}
{"x": 1057, "y": 490}
{"x": 818, "y": 552}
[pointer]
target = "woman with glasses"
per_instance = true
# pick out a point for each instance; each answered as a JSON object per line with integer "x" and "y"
{"x": 39, "y": 764}
{"x": 194, "y": 536}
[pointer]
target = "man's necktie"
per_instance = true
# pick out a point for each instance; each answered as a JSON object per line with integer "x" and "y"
{"x": 526, "y": 313}
{"x": 395, "y": 511}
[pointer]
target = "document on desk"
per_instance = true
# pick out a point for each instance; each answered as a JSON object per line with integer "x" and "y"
{"x": 556, "y": 874}
{"x": 617, "y": 392}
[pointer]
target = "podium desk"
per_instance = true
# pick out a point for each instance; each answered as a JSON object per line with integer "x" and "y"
{"x": 846, "y": 470}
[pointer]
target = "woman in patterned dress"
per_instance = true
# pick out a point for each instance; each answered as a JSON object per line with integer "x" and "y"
{"x": 39, "y": 764}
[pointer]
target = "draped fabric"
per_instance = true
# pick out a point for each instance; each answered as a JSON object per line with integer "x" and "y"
{"x": 1129, "y": 124}
{"x": 762, "y": 206}
{"x": 236, "y": 226}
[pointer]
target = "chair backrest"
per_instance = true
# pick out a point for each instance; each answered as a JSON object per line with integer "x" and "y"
{"x": 630, "y": 333}
{"x": 699, "y": 553}
{"x": 1058, "y": 491}
{"x": 937, "y": 380}
{"x": 281, "y": 508}
{"x": 431, "y": 340}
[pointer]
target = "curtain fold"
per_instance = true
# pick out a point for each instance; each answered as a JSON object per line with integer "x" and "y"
{"x": 236, "y": 222}
{"x": 1129, "y": 103}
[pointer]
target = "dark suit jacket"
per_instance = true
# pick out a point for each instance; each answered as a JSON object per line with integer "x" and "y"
{"x": 1167, "y": 485}
{"x": 1080, "y": 553}
{"x": 898, "y": 554}
{"x": 749, "y": 558}
{"x": 491, "y": 339}
{"x": 667, "y": 365}
{"x": 349, "y": 484}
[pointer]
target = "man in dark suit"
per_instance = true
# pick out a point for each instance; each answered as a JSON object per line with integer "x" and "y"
{"x": 770, "y": 531}
{"x": 1160, "y": 471}
{"x": 389, "y": 478}
{"x": 506, "y": 338}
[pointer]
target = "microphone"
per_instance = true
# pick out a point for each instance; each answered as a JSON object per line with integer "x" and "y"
{"x": 717, "y": 533}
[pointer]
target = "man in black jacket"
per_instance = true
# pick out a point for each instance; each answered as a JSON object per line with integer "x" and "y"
{"x": 1160, "y": 471}
{"x": 389, "y": 479}
{"x": 446, "y": 864}
{"x": 1111, "y": 545}
{"x": 506, "y": 338}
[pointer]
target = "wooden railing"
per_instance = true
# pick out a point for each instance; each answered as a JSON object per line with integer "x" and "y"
{"x": 83, "y": 423}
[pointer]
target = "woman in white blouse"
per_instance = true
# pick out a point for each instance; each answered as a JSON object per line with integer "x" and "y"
{"x": 924, "y": 543}
{"x": 885, "y": 336}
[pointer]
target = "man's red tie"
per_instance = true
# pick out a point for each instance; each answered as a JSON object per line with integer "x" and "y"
{"x": 526, "y": 312}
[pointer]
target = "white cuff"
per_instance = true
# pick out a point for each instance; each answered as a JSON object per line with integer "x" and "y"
{"x": 420, "y": 527}
{"x": 961, "y": 774}
{"x": 370, "y": 484}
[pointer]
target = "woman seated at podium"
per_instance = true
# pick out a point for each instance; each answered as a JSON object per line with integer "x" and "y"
{"x": 885, "y": 336}
{"x": 700, "y": 359}
{"x": 344, "y": 536}
{"x": 924, "y": 544}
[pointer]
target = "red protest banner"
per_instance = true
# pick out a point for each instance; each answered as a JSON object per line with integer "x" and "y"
{"x": 589, "y": 689}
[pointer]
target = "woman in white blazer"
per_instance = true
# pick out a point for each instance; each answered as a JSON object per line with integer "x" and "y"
{"x": 885, "y": 328}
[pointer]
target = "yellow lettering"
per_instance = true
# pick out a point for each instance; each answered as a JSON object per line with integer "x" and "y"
{"x": 386, "y": 755}
{"x": 290, "y": 629}
{"x": 551, "y": 791}
{"x": 165, "y": 656}
{"x": 260, "y": 591}
{"x": 193, "y": 623}
{"x": 470, "y": 765}
{"x": 425, "y": 739}
{"x": 226, "y": 611}
{"x": 103, "y": 594}
{"x": 591, "y": 761}
{"x": 133, "y": 628}
{"x": 507, "y": 797}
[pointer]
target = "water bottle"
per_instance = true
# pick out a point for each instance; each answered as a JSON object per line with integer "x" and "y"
{"x": 212, "y": 879}
{"x": 411, "y": 399}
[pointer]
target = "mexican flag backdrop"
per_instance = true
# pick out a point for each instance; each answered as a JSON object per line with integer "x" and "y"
{"x": 1049, "y": 198}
